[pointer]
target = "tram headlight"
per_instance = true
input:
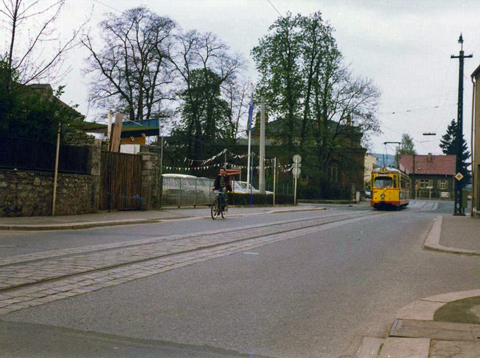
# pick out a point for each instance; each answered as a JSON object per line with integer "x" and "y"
{"x": 382, "y": 196}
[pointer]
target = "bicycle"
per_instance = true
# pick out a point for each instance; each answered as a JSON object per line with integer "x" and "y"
{"x": 216, "y": 210}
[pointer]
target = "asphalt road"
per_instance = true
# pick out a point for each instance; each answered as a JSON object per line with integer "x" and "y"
{"x": 314, "y": 295}
{"x": 196, "y": 220}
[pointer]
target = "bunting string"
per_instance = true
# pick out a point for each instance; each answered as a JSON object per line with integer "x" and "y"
{"x": 202, "y": 162}
{"x": 282, "y": 168}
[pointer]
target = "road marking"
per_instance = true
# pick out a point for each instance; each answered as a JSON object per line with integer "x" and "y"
{"x": 64, "y": 287}
{"x": 95, "y": 248}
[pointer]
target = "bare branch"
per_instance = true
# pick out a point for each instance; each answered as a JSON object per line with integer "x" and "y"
{"x": 31, "y": 64}
{"x": 134, "y": 62}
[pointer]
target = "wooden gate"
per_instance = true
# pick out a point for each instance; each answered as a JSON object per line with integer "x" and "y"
{"x": 121, "y": 181}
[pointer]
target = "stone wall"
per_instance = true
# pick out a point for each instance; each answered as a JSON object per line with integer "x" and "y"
{"x": 150, "y": 179}
{"x": 30, "y": 193}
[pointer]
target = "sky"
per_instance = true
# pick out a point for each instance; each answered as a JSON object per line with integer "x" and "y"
{"x": 403, "y": 46}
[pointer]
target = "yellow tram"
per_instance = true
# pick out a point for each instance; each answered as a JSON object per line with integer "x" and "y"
{"x": 390, "y": 187}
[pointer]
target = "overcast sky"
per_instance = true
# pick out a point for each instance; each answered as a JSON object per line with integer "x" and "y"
{"x": 403, "y": 46}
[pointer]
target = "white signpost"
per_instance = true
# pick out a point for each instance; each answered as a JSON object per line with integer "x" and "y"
{"x": 296, "y": 173}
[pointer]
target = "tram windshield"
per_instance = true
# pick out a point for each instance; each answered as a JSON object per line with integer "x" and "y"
{"x": 383, "y": 182}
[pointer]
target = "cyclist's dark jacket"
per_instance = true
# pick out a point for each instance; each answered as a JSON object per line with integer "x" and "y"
{"x": 216, "y": 184}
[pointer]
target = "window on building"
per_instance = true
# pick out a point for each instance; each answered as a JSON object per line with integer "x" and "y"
{"x": 425, "y": 183}
{"x": 443, "y": 184}
{"x": 333, "y": 174}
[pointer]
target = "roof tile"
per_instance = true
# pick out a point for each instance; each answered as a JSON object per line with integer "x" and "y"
{"x": 429, "y": 164}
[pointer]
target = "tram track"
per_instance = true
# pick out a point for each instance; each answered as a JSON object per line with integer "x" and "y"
{"x": 37, "y": 280}
{"x": 36, "y": 257}
{"x": 29, "y": 269}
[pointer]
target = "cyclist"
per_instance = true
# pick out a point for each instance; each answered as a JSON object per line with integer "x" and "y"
{"x": 222, "y": 184}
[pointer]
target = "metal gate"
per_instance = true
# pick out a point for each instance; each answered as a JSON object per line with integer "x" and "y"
{"x": 121, "y": 181}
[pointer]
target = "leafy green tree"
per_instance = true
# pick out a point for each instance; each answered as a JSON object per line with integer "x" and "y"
{"x": 323, "y": 110}
{"x": 449, "y": 143}
{"x": 277, "y": 58}
{"x": 407, "y": 147}
{"x": 35, "y": 112}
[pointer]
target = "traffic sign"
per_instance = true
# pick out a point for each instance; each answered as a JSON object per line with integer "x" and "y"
{"x": 296, "y": 172}
{"x": 297, "y": 159}
{"x": 459, "y": 176}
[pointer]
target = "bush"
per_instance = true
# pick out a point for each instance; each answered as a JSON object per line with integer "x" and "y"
{"x": 258, "y": 199}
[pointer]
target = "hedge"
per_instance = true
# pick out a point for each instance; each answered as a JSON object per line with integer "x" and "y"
{"x": 259, "y": 199}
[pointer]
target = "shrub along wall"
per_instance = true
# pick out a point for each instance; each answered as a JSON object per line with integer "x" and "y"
{"x": 259, "y": 199}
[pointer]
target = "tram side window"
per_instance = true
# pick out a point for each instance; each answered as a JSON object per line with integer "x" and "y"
{"x": 383, "y": 182}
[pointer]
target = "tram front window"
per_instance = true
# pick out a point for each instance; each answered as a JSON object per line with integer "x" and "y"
{"x": 383, "y": 182}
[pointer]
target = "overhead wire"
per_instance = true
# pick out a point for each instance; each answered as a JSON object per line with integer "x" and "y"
{"x": 416, "y": 109}
{"x": 111, "y": 7}
{"x": 443, "y": 95}
{"x": 275, "y": 8}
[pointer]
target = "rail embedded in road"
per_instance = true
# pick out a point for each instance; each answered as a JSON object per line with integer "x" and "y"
{"x": 32, "y": 279}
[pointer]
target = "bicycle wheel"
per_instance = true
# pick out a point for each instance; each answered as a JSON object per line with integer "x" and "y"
{"x": 225, "y": 212}
{"x": 214, "y": 210}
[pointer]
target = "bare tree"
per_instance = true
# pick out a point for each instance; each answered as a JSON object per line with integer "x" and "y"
{"x": 204, "y": 65}
{"x": 345, "y": 107}
{"x": 33, "y": 62}
{"x": 236, "y": 94}
{"x": 132, "y": 68}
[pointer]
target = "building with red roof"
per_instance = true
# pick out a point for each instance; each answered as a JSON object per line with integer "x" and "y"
{"x": 432, "y": 175}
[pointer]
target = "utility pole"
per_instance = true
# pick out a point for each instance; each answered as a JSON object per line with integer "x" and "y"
{"x": 459, "y": 210}
{"x": 261, "y": 167}
{"x": 160, "y": 169}
{"x": 274, "y": 179}
{"x": 55, "y": 175}
{"x": 414, "y": 186}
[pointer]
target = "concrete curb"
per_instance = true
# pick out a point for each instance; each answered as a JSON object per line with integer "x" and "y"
{"x": 77, "y": 226}
{"x": 94, "y": 224}
{"x": 293, "y": 210}
{"x": 423, "y": 310}
{"x": 432, "y": 242}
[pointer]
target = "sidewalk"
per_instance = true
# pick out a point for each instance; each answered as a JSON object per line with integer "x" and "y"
{"x": 446, "y": 325}
{"x": 115, "y": 218}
